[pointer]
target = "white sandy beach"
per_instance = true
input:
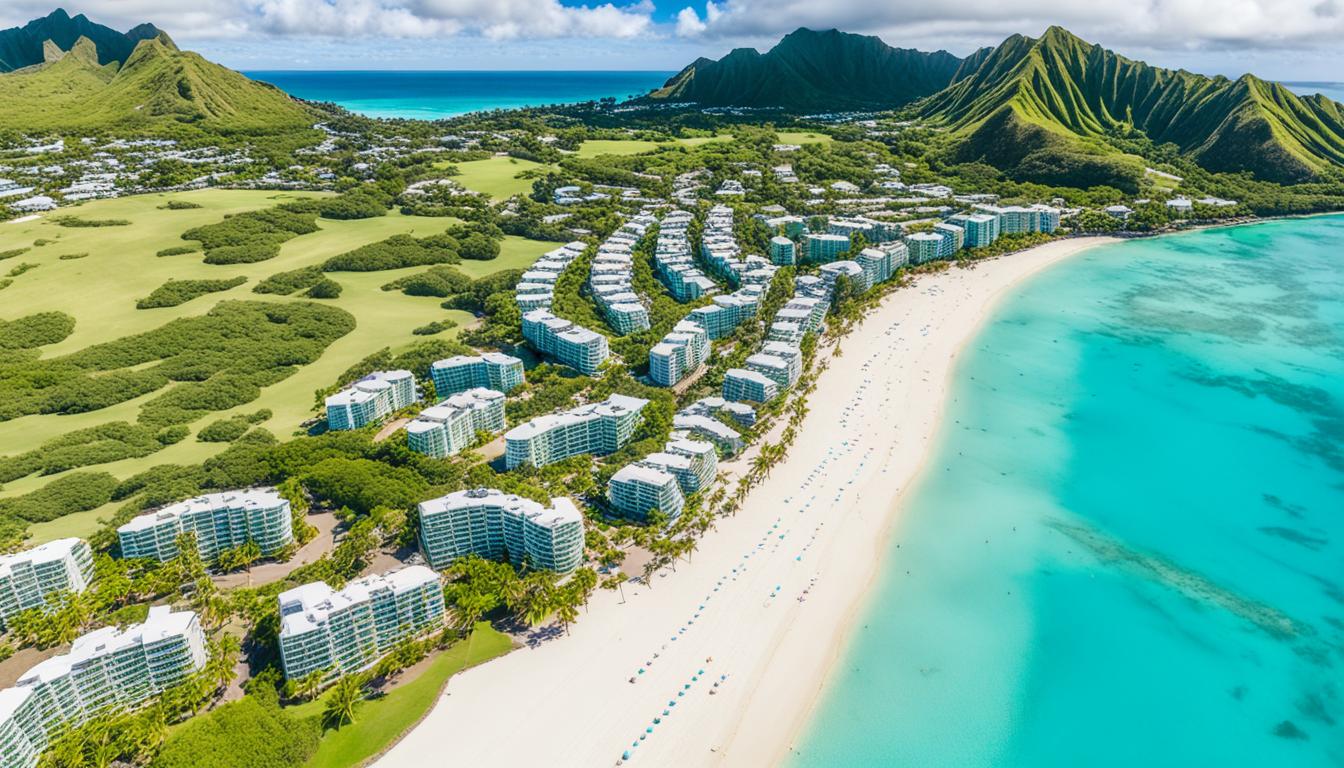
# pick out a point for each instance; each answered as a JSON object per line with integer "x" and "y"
{"x": 764, "y": 607}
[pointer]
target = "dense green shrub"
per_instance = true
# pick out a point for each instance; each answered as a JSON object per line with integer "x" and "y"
{"x": 252, "y": 236}
{"x": 359, "y": 203}
{"x": 326, "y": 288}
{"x": 175, "y": 292}
{"x": 438, "y": 326}
{"x": 11, "y": 253}
{"x": 179, "y": 205}
{"x": 253, "y": 732}
{"x": 286, "y": 283}
{"x": 22, "y": 267}
{"x": 73, "y": 256}
{"x": 177, "y": 250}
{"x": 35, "y": 330}
{"x": 75, "y": 221}
{"x": 232, "y": 428}
{"x": 478, "y": 247}
{"x": 396, "y": 252}
{"x": 249, "y": 253}
{"x": 100, "y": 444}
{"x": 362, "y": 484}
{"x": 222, "y": 357}
{"x": 436, "y": 281}
{"x": 173, "y": 434}
{"x": 75, "y": 492}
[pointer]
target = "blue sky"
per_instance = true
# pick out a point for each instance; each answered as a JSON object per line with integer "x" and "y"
{"x": 1282, "y": 39}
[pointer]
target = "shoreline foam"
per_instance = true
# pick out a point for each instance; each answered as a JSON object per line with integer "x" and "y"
{"x": 735, "y": 610}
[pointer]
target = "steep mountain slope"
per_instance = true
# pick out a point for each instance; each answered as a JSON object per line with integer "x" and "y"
{"x": 158, "y": 89}
{"x": 813, "y": 71}
{"x": 1032, "y": 103}
{"x": 23, "y": 46}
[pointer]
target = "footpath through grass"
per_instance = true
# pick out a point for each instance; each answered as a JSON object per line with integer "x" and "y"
{"x": 381, "y": 722}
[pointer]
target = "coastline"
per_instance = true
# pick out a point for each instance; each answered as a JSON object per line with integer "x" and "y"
{"x": 785, "y": 738}
{"x": 734, "y": 637}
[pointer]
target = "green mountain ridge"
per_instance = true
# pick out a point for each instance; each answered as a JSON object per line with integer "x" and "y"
{"x": 1031, "y": 102}
{"x": 812, "y": 71}
{"x": 159, "y": 89}
{"x": 27, "y": 46}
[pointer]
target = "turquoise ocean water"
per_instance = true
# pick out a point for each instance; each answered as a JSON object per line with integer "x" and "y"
{"x": 435, "y": 95}
{"x": 1128, "y": 546}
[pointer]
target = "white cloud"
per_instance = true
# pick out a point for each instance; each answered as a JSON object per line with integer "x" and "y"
{"x": 1167, "y": 24}
{"x": 689, "y": 23}
{"x": 415, "y": 19}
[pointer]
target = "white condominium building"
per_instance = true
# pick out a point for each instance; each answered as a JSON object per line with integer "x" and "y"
{"x": 596, "y": 428}
{"x": 693, "y": 462}
{"x": 679, "y": 354}
{"x": 748, "y": 385}
{"x": 348, "y": 630}
{"x": 777, "y": 369}
{"x": 32, "y": 578}
{"x": 791, "y": 354}
{"x": 718, "y": 245}
{"x": 674, "y": 263}
{"x": 858, "y": 279}
{"x": 490, "y": 523}
{"x": 880, "y": 264}
{"x": 565, "y": 342}
{"x": 536, "y": 288}
{"x": 1016, "y": 219}
{"x": 371, "y": 399}
{"x": 611, "y": 277}
{"x": 823, "y": 249}
{"x": 108, "y": 668}
{"x": 637, "y": 490}
{"x": 724, "y": 437}
{"x": 451, "y": 426}
{"x": 925, "y": 247}
{"x": 981, "y": 229}
{"x": 219, "y": 521}
{"x": 491, "y": 370}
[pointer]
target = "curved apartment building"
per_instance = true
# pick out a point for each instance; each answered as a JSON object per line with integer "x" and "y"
{"x": 30, "y": 579}
{"x": 596, "y": 428}
{"x": 493, "y": 524}
{"x": 219, "y": 521}
{"x": 106, "y": 668}
{"x": 350, "y": 629}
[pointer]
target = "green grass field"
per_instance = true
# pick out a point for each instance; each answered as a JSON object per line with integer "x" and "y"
{"x": 381, "y": 722}
{"x": 803, "y": 137}
{"x": 100, "y": 293}
{"x": 595, "y": 147}
{"x": 496, "y": 176}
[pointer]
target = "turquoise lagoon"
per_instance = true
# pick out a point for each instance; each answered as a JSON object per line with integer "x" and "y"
{"x": 1128, "y": 546}
{"x": 429, "y": 95}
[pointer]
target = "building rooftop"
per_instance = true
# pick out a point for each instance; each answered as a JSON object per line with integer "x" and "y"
{"x": 251, "y": 498}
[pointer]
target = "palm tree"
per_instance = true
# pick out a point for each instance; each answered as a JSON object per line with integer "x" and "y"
{"x": 210, "y": 603}
{"x": 344, "y": 700}
{"x": 567, "y": 609}
{"x": 585, "y": 580}
{"x": 308, "y": 685}
{"x": 224, "y": 660}
{"x": 514, "y": 592}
